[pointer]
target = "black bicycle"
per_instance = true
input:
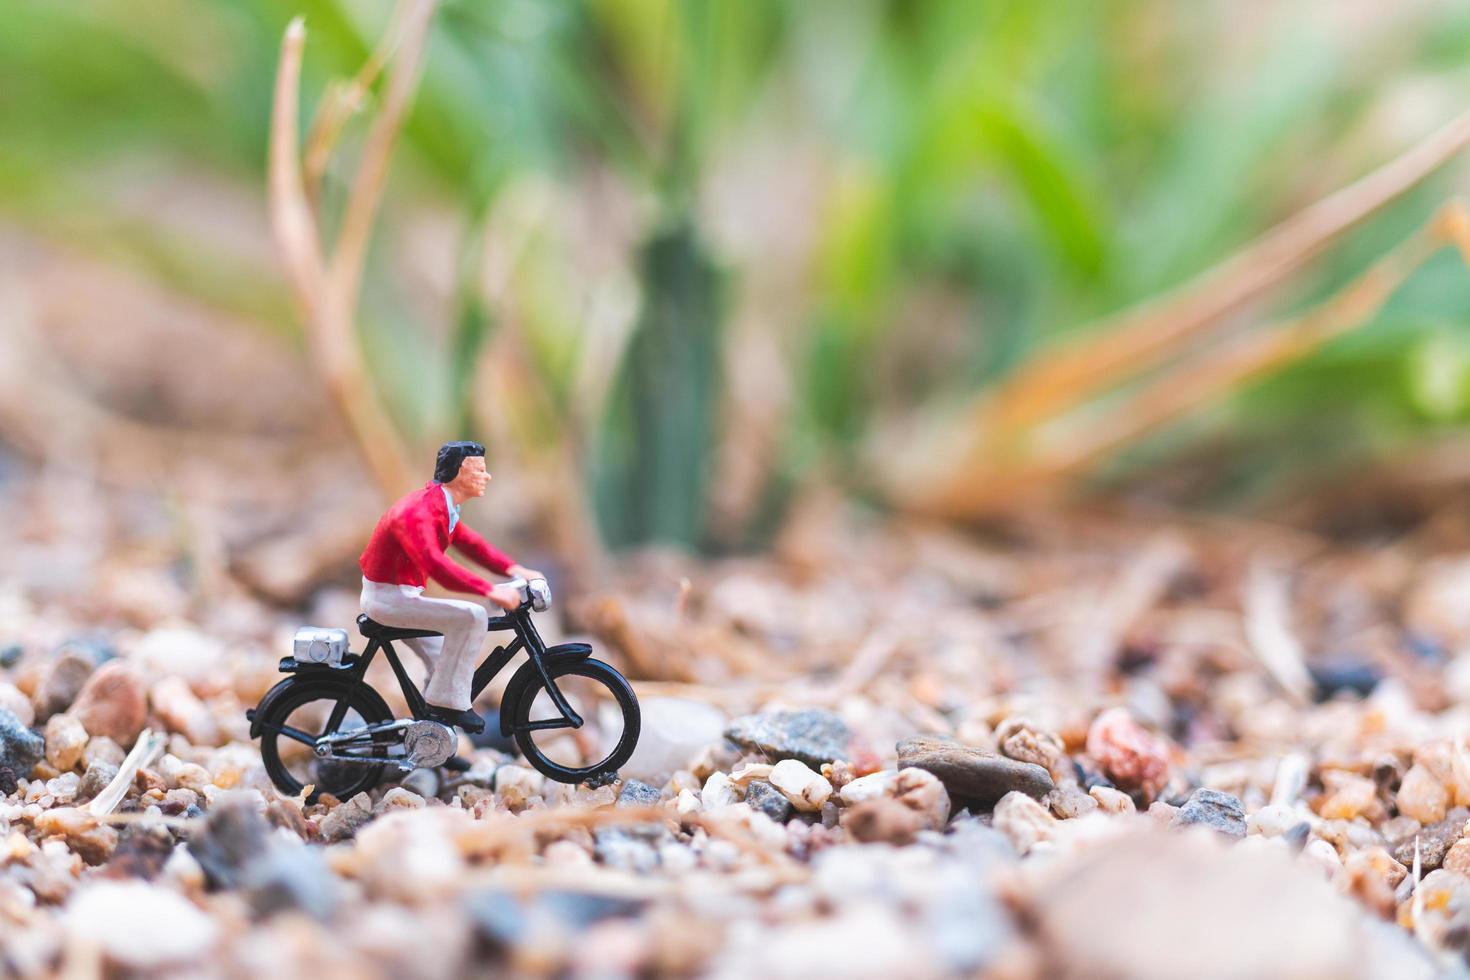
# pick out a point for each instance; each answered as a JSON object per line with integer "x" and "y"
{"x": 574, "y": 718}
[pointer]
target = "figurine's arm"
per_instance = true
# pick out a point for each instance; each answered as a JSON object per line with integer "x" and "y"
{"x": 477, "y": 549}
{"x": 416, "y": 534}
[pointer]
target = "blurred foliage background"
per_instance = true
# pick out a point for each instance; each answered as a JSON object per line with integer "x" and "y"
{"x": 688, "y": 256}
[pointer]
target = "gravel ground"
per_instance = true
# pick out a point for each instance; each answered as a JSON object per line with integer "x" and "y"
{"x": 1114, "y": 748}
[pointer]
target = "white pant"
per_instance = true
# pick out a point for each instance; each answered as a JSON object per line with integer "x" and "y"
{"x": 449, "y": 660}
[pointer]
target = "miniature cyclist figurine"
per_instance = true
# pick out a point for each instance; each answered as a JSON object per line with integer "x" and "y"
{"x": 407, "y": 549}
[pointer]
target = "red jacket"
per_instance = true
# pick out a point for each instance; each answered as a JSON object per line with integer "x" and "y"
{"x": 408, "y": 545}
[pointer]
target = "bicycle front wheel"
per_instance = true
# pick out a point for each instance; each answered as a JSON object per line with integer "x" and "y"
{"x": 609, "y": 732}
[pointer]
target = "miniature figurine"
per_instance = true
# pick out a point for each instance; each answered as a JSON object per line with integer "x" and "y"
{"x": 407, "y": 548}
{"x": 324, "y": 729}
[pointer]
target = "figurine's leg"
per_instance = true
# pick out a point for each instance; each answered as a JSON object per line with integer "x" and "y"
{"x": 462, "y": 623}
{"x": 449, "y": 687}
{"x": 428, "y": 649}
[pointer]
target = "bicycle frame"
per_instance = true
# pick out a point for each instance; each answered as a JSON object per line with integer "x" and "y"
{"x": 526, "y": 638}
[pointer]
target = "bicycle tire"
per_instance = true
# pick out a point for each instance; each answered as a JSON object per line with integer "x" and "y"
{"x": 622, "y": 693}
{"x": 364, "y": 700}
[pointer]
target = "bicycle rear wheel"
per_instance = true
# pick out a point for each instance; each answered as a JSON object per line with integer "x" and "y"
{"x": 300, "y": 717}
{"x": 609, "y": 711}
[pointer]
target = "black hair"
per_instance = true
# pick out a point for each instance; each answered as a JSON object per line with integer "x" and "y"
{"x": 451, "y": 455}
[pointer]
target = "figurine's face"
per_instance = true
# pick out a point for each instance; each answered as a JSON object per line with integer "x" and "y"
{"x": 472, "y": 479}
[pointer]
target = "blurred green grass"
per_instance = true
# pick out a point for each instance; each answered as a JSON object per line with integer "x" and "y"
{"x": 1035, "y": 165}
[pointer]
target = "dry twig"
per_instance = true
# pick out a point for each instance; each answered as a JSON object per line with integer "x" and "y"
{"x": 327, "y": 286}
{"x": 1020, "y": 438}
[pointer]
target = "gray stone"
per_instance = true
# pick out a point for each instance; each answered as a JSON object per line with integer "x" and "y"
{"x": 767, "y": 799}
{"x": 973, "y": 778}
{"x": 20, "y": 748}
{"x": 291, "y": 878}
{"x": 10, "y": 654}
{"x": 627, "y": 848}
{"x": 811, "y": 735}
{"x": 234, "y": 835}
{"x": 142, "y": 850}
{"x": 345, "y": 818}
{"x": 1434, "y": 841}
{"x": 635, "y": 793}
{"x": 1211, "y": 808}
{"x": 96, "y": 778}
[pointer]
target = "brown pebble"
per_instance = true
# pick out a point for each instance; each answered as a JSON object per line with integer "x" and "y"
{"x": 113, "y": 702}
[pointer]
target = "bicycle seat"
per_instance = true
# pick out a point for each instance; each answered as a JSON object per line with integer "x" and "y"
{"x": 374, "y": 630}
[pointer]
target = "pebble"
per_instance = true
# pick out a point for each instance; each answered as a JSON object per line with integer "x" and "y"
{"x": 346, "y": 818}
{"x": 1070, "y": 802}
{"x": 1435, "y": 841}
{"x": 234, "y": 834}
{"x": 1112, "y": 800}
{"x": 811, "y": 735}
{"x": 869, "y": 787}
{"x": 181, "y": 711}
{"x": 193, "y": 776}
{"x": 180, "y": 652}
{"x": 515, "y": 785}
{"x": 94, "y": 842}
{"x": 1457, "y": 858}
{"x": 627, "y": 848}
{"x": 718, "y": 791}
{"x": 138, "y": 926}
{"x": 1130, "y": 755}
{"x": 1023, "y": 821}
{"x": 424, "y": 782}
{"x": 687, "y": 803}
{"x": 1348, "y": 795}
{"x": 1273, "y": 820}
{"x": 971, "y": 776}
{"x": 1156, "y": 907}
{"x": 113, "y": 702}
{"x": 61, "y": 681}
{"x": 1344, "y": 676}
{"x": 292, "y": 878}
{"x": 142, "y": 851}
{"x": 178, "y": 801}
{"x": 635, "y": 793}
{"x": 673, "y": 732}
{"x": 765, "y": 798}
{"x": 100, "y": 748}
{"x": 10, "y": 654}
{"x": 1422, "y": 796}
{"x": 1020, "y": 739}
{"x": 400, "y": 798}
{"x": 807, "y": 790}
{"x": 1323, "y": 855}
{"x": 14, "y": 701}
{"x": 95, "y": 779}
{"x": 921, "y": 792}
{"x": 66, "y": 739}
{"x": 1220, "y": 812}
{"x": 20, "y": 748}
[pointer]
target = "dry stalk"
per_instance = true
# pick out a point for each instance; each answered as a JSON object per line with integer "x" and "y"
{"x": 998, "y": 447}
{"x": 1055, "y": 381}
{"x": 1019, "y": 465}
{"x": 327, "y": 286}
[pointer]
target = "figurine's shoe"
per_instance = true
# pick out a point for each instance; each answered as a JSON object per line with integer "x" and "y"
{"x": 466, "y": 719}
{"x": 457, "y": 763}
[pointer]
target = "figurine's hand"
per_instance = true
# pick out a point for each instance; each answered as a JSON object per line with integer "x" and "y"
{"x": 506, "y": 598}
{"x": 521, "y": 571}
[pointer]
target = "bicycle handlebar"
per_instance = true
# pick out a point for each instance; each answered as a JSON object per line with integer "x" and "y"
{"x": 537, "y": 592}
